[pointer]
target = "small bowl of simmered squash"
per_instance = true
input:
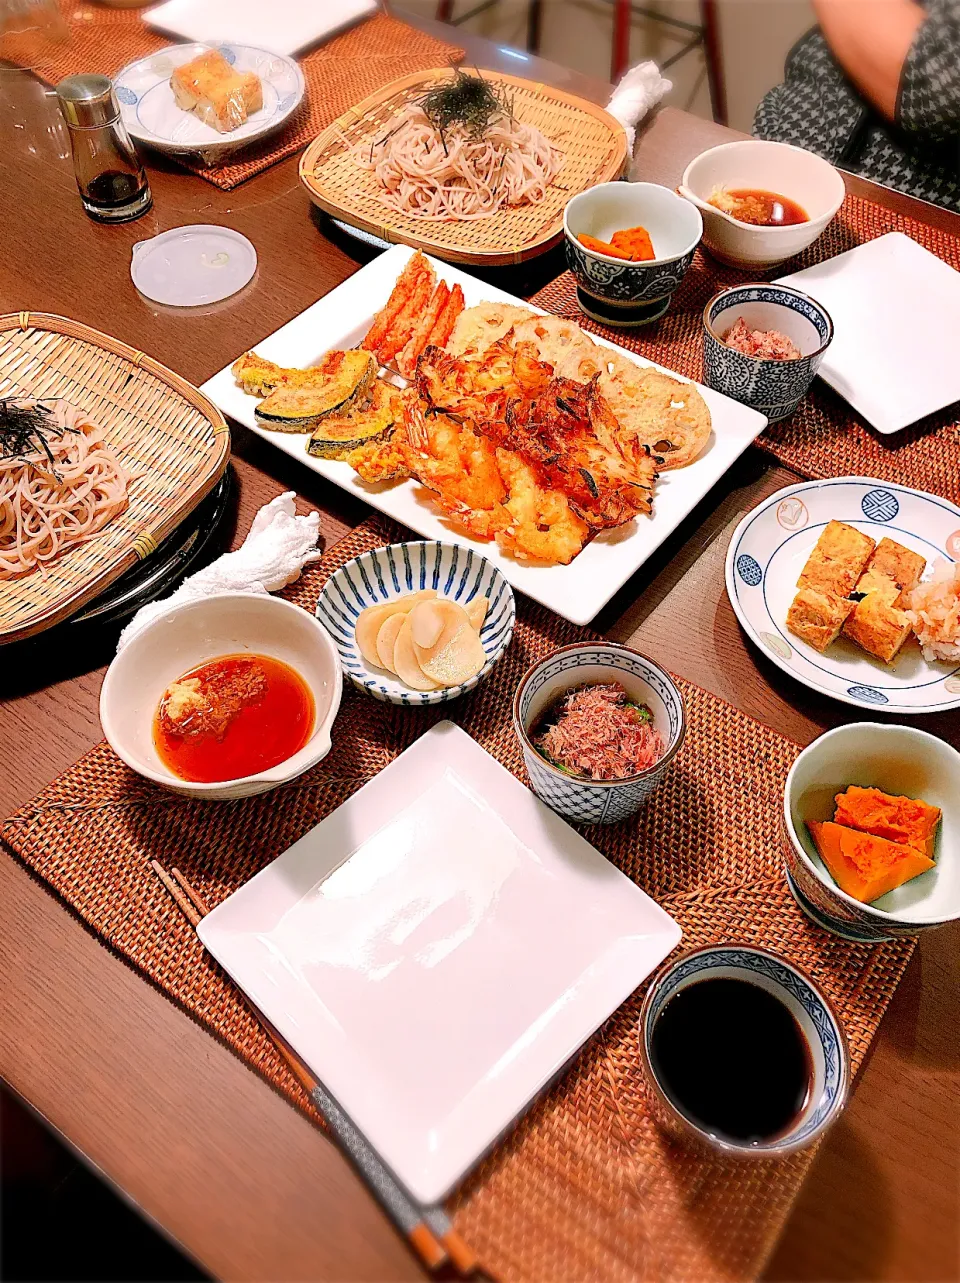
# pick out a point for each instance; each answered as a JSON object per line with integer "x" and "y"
{"x": 418, "y": 623}
{"x": 871, "y": 819}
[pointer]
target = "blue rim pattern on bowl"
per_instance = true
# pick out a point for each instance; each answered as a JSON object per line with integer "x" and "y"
{"x": 597, "y": 801}
{"x": 383, "y": 573}
{"x": 775, "y": 388}
{"x": 835, "y": 1071}
{"x": 626, "y": 282}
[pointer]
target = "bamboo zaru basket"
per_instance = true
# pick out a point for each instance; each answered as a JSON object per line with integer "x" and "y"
{"x": 173, "y": 441}
{"x": 593, "y": 143}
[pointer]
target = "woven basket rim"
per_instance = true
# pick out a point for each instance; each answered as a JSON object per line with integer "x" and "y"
{"x": 446, "y": 246}
{"x": 104, "y": 570}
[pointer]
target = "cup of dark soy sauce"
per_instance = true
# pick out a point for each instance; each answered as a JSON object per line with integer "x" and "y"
{"x": 743, "y": 1054}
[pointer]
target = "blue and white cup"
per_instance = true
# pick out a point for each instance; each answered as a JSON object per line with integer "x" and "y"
{"x": 617, "y": 291}
{"x": 597, "y": 801}
{"x": 772, "y": 386}
{"x": 814, "y": 1014}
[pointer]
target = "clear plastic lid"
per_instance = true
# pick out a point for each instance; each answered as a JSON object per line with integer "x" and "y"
{"x": 190, "y": 266}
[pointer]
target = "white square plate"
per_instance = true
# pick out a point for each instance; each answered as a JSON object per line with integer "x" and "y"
{"x": 436, "y": 949}
{"x": 577, "y": 591}
{"x": 282, "y": 26}
{"x": 896, "y": 317}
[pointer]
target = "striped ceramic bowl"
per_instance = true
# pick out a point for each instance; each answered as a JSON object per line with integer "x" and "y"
{"x": 377, "y": 576}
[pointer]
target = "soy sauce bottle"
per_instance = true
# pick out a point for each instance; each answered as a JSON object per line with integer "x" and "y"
{"x": 113, "y": 186}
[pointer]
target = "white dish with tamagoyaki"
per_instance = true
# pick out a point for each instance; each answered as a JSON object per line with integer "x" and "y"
{"x": 769, "y": 550}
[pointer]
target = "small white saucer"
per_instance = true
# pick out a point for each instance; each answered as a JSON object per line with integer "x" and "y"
{"x": 190, "y": 266}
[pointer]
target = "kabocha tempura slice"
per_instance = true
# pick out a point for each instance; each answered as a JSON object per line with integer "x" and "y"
{"x": 906, "y": 820}
{"x": 864, "y": 866}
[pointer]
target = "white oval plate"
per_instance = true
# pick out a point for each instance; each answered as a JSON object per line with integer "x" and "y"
{"x": 151, "y": 116}
{"x": 768, "y": 551}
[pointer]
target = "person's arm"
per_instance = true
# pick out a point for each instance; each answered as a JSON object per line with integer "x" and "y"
{"x": 871, "y": 40}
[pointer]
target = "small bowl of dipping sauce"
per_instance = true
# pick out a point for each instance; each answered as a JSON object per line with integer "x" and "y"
{"x": 223, "y": 698}
{"x": 742, "y": 1053}
{"x": 629, "y": 246}
{"x": 763, "y": 344}
{"x": 762, "y": 202}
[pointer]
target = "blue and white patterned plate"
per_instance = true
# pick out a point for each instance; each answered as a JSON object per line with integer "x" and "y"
{"x": 767, "y": 554}
{"x": 151, "y": 115}
{"x": 457, "y": 573}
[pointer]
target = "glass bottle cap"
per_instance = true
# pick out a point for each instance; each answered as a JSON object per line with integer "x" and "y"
{"x": 87, "y": 101}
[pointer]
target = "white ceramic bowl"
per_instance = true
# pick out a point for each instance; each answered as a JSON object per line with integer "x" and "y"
{"x": 187, "y": 635}
{"x": 457, "y": 573}
{"x": 899, "y": 760}
{"x": 789, "y": 171}
{"x": 615, "y": 290}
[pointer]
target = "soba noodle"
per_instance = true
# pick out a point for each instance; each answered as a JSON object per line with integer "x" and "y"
{"x": 459, "y": 177}
{"x": 51, "y": 503}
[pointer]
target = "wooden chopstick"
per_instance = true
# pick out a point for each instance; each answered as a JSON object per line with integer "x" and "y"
{"x": 427, "y": 1229}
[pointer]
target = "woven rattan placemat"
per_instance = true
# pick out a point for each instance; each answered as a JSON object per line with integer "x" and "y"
{"x": 338, "y": 73}
{"x": 586, "y": 1186}
{"x": 825, "y": 437}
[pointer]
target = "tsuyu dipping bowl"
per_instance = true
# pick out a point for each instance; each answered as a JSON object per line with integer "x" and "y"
{"x": 188, "y": 634}
{"x": 819, "y": 1025}
{"x": 597, "y": 801}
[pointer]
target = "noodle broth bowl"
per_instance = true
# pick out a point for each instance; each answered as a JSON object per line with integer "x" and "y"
{"x": 580, "y": 798}
{"x": 755, "y": 164}
{"x": 618, "y": 291}
{"x": 197, "y": 632}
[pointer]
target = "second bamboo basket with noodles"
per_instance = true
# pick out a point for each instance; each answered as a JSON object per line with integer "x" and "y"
{"x": 567, "y": 145}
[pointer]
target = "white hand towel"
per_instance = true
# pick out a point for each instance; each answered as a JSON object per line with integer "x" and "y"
{"x": 273, "y": 554}
{"x": 637, "y": 93}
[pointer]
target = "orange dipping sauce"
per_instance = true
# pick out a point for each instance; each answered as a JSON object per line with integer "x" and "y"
{"x": 232, "y": 716}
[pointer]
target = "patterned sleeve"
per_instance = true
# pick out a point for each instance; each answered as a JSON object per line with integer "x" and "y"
{"x": 929, "y": 98}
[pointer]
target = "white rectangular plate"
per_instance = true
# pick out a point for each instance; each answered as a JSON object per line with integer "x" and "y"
{"x": 896, "y": 316}
{"x": 577, "y": 591}
{"x": 280, "y": 26}
{"x": 435, "y": 950}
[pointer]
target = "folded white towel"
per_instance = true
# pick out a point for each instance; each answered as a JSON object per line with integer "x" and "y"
{"x": 277, "y": 548}
{"x": 637, "y": 93}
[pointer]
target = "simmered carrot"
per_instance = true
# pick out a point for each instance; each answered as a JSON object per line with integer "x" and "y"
{"x": 632, "y": 243}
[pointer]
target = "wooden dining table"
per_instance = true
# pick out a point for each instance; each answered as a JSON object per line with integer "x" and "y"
{"x": 245, "y": 1184}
